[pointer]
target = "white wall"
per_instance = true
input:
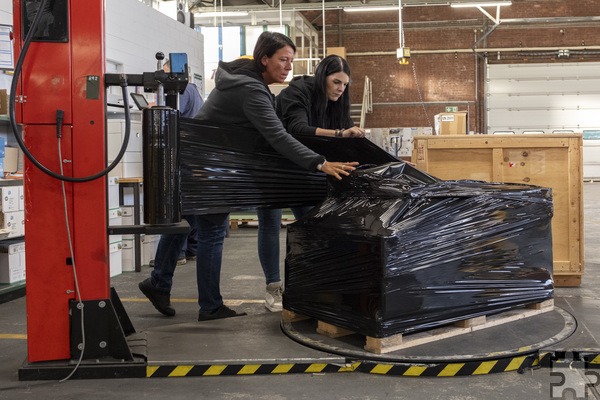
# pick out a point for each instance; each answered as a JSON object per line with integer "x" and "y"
{"x": 543, "y": 97}
{"x": 6, "y": 12}
{"x": 555, "y": 97}
{"x": 136, "y": 32}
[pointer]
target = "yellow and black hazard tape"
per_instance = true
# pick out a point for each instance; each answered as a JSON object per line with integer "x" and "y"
{"x": 593, "y": 360}
{"x": 590, "y": 359}
{"x": 433, "y": 369}
{"x": 452, "y": 369}
{"x": 163, "y": 371}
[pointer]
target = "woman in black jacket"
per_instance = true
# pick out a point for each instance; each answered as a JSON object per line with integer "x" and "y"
{"x": 320, "y": 104}
{"x": 310, "y": 105}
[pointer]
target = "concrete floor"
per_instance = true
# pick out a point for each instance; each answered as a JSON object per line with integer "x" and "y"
{"x": 243, "y": 287}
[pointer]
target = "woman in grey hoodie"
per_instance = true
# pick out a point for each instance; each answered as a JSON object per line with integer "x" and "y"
{"x": 242, "y": 97}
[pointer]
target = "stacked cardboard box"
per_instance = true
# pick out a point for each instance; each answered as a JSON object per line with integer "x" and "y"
{"x": 451, "y": 123}
{"x": 12, "y": 215}
{"x": 12, "y": 261}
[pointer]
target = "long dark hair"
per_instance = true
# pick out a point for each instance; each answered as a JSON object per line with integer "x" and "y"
{"x": 325, "y": 113}
{"x": 267, "y": 44}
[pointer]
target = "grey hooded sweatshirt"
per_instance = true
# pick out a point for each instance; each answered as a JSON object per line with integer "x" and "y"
{"x": 242, "y": 98}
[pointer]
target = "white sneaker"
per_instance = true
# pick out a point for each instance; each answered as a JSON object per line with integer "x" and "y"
{"x": 274, "y": 297}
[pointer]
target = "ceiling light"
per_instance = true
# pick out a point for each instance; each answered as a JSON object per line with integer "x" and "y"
{"x": 222, "y": 14}
{"x": 367, "y": 9}
{"x": 485, "y": 4}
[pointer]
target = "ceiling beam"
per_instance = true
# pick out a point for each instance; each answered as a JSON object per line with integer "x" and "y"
{"x": 229, "y": 5}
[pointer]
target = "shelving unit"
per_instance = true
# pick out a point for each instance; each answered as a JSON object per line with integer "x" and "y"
{"x": 12, "y": 290}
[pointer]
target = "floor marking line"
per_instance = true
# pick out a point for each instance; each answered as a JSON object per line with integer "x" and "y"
{"x": 13, "y": 336}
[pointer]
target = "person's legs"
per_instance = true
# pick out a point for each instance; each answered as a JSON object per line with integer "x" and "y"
{"x": 191, "y": 248}
{"x": 188, "y": 249}
{"x": 157, "y": 288}
{"x": 183, "y": 250}
{"x": 269, "y": 227}
{"x": 165, "y": 260}
{"x": 211, "y": 234}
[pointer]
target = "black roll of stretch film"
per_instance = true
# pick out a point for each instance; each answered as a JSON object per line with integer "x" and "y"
{"x": 162, "y": 201}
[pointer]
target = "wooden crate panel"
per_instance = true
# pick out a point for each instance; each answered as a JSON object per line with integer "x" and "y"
{"x": 553, "y": 161}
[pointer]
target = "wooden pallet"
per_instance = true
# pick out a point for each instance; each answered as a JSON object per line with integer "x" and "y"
{"x": 404, "y": 341}
{"x": 235, "y": 223}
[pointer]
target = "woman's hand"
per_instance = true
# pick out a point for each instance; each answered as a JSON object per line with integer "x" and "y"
{"x": 355, "y": 131}
{"x": 338, "y": 169}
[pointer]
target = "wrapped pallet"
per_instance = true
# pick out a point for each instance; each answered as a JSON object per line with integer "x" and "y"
{"x": 394, "y": 250}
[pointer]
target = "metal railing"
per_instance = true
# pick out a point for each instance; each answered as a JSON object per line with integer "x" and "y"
{"x": 366, "y": 107}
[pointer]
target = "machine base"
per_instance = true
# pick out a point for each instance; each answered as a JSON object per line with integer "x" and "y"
{"x": 255, "y": 345}
{"x": 57, "y": 370}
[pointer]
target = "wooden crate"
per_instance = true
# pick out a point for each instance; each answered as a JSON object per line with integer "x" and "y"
{"x": 548, "y": 160}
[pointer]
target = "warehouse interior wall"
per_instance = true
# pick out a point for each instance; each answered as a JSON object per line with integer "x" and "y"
{"x": 450, "y": 48}
{"x": 6, "y": 12}
{"x": 135, "y": 32}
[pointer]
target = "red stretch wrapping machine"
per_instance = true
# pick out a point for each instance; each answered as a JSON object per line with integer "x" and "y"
{"x": 58, "y": 76}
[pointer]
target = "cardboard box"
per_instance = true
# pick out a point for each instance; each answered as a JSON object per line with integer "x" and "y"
{"x": 11, "y": 270}
{"x": 116, "y": 258}
{"x": 21, "y": 198}
{"x": 12, "y": 261}
{"x": 13, "y": 221}
{"x": 148, "y": 251}
{"x": 115, "y": 218}
{"x": 10, "y": 198}
{"x": 451, "y": 123}
{"x": 549, "y": 160}
{"x": 339, "y": 51}
{"x": 113, "y": 193}
{"x": 11, "y": 157}
{"x": 127, "y": 256}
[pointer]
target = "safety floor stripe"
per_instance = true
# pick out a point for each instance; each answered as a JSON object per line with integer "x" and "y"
{"x": 244, "y": 369}
{"x": 12, "y": 336}
{"x": 433, "y": 369}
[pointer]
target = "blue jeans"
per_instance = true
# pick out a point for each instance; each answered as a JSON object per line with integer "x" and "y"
{"x": 212, "y": 229}
{"x": 269, "y": 226}
{"x": 189, "y": 248}
{"x": 167, "y": 253}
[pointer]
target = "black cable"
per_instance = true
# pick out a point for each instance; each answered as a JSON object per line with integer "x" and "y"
{"x": 15, "y": 128}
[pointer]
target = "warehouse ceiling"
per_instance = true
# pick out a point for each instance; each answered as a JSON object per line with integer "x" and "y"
{"x": 205, "y": 5}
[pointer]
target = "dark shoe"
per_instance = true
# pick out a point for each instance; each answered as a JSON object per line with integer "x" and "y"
{"x": 220, "y": 313}
{"x": 160, "y": 300}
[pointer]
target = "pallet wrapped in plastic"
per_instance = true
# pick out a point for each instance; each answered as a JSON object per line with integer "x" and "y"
{"x": 229, "y": 168}
{"x": 394, "y": 250}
